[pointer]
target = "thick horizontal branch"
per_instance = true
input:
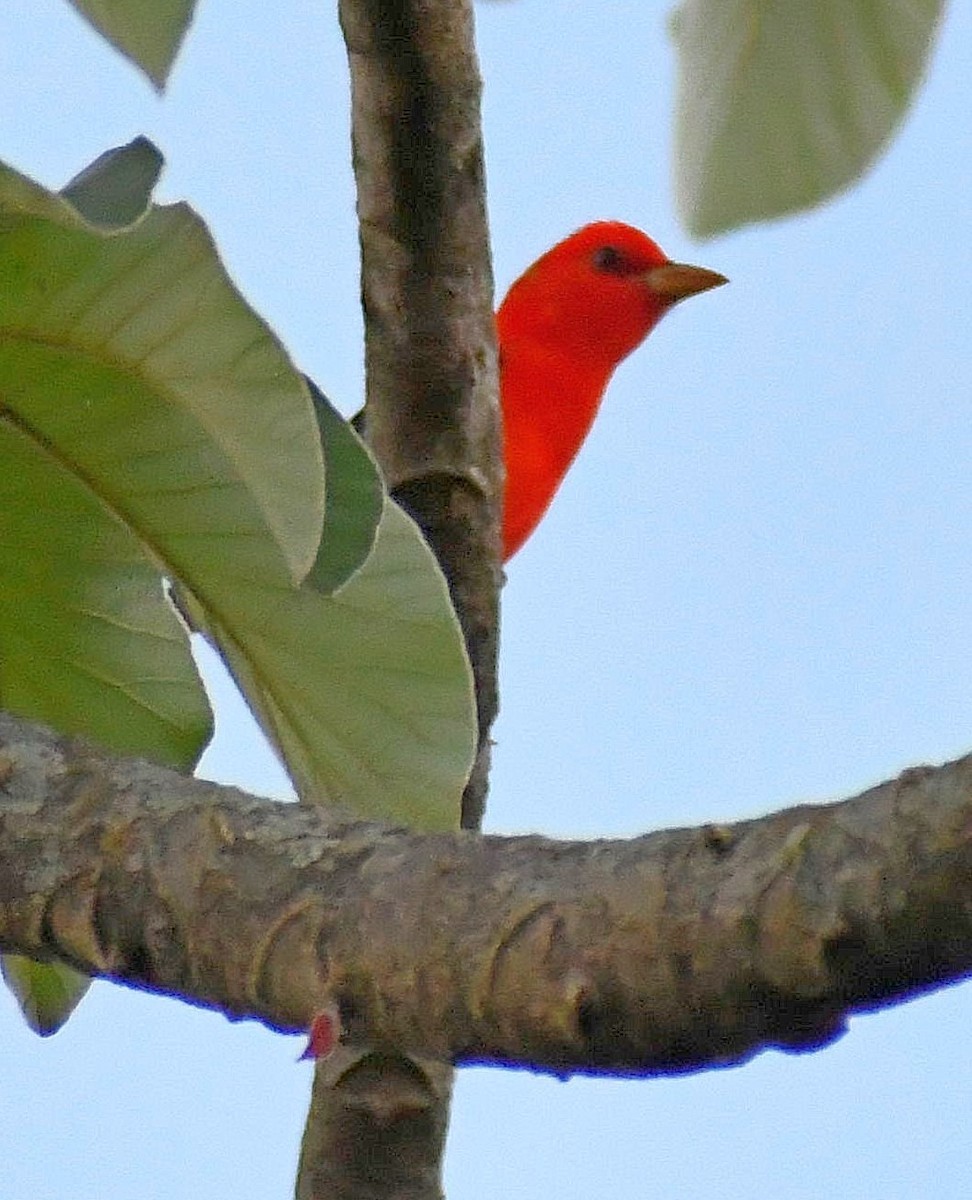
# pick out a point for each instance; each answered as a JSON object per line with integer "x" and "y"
{"x": 664, "y": 953}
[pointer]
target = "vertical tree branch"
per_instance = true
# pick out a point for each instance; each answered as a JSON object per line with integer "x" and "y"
{"x": 377, "y": 1123}
{"x": 432, "y": 413}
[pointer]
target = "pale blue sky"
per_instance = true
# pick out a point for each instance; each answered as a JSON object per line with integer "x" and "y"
{"x": 753, "y": 590}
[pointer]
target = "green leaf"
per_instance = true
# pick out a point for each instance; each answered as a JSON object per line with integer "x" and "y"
{"x": 116, "y": 189}
{"x": 367, "y": 693}
{"x": 781, "y": 105}
{"x": 47, "y": 992}
{"x": 355, "y": 499}
{"x": 147, "y": 32}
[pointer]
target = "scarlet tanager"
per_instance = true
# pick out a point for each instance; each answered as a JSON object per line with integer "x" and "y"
{"x": 564, "y": 326}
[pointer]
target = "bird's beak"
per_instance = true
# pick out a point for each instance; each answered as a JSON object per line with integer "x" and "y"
{"x": 675, "y": 281}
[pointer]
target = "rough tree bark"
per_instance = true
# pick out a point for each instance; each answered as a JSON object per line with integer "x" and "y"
{"x": 660, "y": 954}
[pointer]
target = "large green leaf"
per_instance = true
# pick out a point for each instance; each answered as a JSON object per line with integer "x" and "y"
{"x": 148, "y": 32}
{"x": 781, "y": 105}
{"x": 129, "y": 360}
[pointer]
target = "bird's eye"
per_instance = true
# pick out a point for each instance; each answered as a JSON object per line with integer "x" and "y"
{"x": 611, "y": 261}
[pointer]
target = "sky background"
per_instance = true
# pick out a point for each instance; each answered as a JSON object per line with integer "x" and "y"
{"x": 753, "y": 590}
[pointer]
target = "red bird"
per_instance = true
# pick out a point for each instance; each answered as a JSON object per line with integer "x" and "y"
{"x": 564, "y": 326}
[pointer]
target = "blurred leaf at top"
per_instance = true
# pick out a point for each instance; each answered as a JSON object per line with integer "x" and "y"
{"x": 780, "y": 105}
{"x": 147, "y": 32}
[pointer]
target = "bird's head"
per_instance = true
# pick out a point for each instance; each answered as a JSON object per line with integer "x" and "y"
{"x": 600, "y": 292}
